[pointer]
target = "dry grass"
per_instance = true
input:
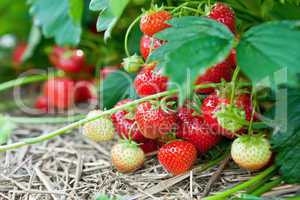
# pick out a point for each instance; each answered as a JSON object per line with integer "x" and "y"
{"x": 71, "y": 167}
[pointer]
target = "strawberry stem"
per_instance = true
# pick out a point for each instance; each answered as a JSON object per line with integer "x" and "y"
{"x": 252, "y": 114}
{"x": 66, "y": 129}
{"x": 23, "y": 81}
{"x": 233, "y": 83}
{"x": 127, "y": 34}
{"x": 46, "y": 120}
{"x": 252, "y": 181}
{"x": 267, "y": 187}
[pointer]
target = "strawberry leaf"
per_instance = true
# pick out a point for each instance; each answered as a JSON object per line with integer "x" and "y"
{"x": 64, "y": 26}
{"x": 262, "y": 57}
{"x": 6, "y": 127}
{"x": 110, "y": 12}
{"x": 117, "y": 86}
{"x": 199, "y": 43}
{"x": 286, "y": 141}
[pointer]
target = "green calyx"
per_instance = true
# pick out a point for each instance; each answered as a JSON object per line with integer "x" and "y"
{"x": 129, "y": 143}
{"x": 230, "y": 117}
{"x": 133, "y": 63}
{"x": 254, "y": 140}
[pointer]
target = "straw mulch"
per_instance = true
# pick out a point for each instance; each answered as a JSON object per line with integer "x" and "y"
{"x": 72, "y": 167}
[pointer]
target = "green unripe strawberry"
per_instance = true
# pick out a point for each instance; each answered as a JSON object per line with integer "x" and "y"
{"x": 251, "y": 152}
{"x": 133, "y": 63}
{"x": 127, "y": 156}
{"x": 101, "y": 129}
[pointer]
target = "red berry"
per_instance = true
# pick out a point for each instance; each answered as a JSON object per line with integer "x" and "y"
{"x": 215, "y": 74}
{"x": 125, "y": 123}
{"x": 177, "y": 157}
{"x": 41, "y": 103}
{"x": 232, "y": 57}
{"x": 149, "y": 82}
{"x": 18, "y": 53}
{"x": 153, "y": 121}
{"x": 84, "y": 91}
{"x": 223, "y": 14}
{"x": 68, "y": 60}
{"x": 154, "y": 21}
{"x": 214, "y": 107}
{"x": 149, "y": 44}
{"x": 149, "y": 146}
{"x": 194, "y": 129}
{"x": 60, "y": 92}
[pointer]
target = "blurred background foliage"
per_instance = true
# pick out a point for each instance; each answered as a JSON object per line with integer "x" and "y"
{"x": 43, "y": 23}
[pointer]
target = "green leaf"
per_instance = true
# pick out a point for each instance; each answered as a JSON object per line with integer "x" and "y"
{"x": 33, "y": 40}
{"x": 97, "y": 5}
{"x": 199, "y": 43}
{"x": 76, "y": 10}
{"x": 110, "y": 12}
{"x": 134, "y": 40}
{"x": 286, "y": 141}
{"x": 117, "y": 86}
{"x": 261, "y": 53}
{"x": 118, "y": 6}
{"x": 6, "y": 127}
{"x": 59, "y": 19}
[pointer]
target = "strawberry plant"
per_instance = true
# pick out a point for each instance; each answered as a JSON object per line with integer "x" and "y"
{"x": 197, "y": 82}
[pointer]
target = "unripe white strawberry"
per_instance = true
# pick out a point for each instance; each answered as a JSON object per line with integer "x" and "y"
{"x": 251, "y": 152}
{"x": 101, "y": 129}
{"x": 127, "y": 156}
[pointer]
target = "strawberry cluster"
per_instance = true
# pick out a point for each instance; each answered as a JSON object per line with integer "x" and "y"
{"x": 180, "y": 133}
{"x": 77, "y": 84}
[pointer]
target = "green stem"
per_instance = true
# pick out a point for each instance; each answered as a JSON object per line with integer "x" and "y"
{"x": 260, "y": 183}
{"x": 127, "y": 34}
{"x": 267, "y": 187}
{"x": 211, "y": 163}
{"x": 293, "y": 198}
{"x": 233, "y": 82}
{"x": 231, "y": 191}
{"x": 23, "y": 81}
{"x": 46, "y": 120}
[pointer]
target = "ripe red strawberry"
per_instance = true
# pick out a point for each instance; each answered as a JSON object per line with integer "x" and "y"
{"x": 149, "y": 82}
{"x": 41, "y": 103}
{"x": 214, "y": 108}
{"x": 153, "y": 121}
{"x": 60, "y": 92}
{"x": 194, "y": 129}
{"x": 127, "y": 156}
{"x": 125, "y": 123}
{"x": 223, "y": 14}
{"x": 149, "y": 146}
{"x": 84, "y": 91}
{"x": 99, "y": 130}
{"x": 68, "y": 60}
{"x": 149, "y": 44}
{"x": 215, "y": 74}
{"x": 154, "y": 21}
{"x": 251, "y": 152}
{"x": 18, "y": 53}
{"x": 177, "y": 157}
